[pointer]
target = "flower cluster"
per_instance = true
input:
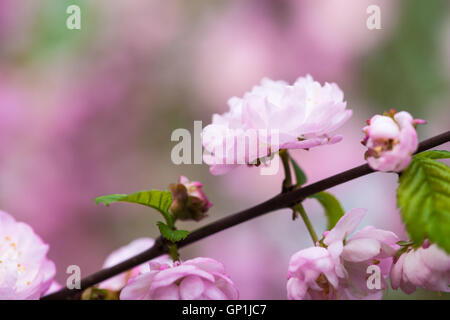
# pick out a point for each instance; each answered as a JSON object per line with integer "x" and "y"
{"x": 274, "y": 116}
{"x": 336, "y": 268}
{"x": 391, "y": 140}
{"x": 25, "y": 271}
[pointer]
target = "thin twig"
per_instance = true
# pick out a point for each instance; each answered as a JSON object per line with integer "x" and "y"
{"x": 283, "y": 200}
{"x": 301, "y": 210}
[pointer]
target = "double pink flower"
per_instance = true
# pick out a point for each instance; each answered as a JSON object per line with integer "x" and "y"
{"x": 274, "y": 115}
{"x": 25, "y": 271}
{"x": 195, "y": 279}
{"x": 337, "y": 267}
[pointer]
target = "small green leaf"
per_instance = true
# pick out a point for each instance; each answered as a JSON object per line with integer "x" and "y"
{"x": 156, "y": 199}
{"x": 111, "y": 198}
{"x": 300, "y": 176}
{"x": 423, "y": 195}
{"x": 332, "y": 207}
{"x": 433, "y": 154}
{"x": 170, "y": 234}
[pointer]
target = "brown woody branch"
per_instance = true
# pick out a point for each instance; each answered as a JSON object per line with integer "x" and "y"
{"x": 283, "y": 200}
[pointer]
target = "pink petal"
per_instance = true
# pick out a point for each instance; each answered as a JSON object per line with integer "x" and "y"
{"x": 361, "y": 250}
{"x": 212, "y": 292}
{"x": 296, "y": 289}
{"x": 138, "y": 288}
{"x": 346, "y": 225}
{"x": 206, "y": 264}
{"x": 166, "y": 293}
{"x": 191, "y": 288}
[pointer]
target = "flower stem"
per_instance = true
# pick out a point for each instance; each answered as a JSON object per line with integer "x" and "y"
{"x": 287, "y": 185}
{"x": 299, "y": 208}
{"x": 173, "y": 252}
{"x": 287, "y": 182}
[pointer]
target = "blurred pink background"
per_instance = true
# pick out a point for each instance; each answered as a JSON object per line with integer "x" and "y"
{"x": 90, "y": 112}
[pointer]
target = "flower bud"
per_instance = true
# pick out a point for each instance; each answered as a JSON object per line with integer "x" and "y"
{"x": 391, "y": 140}
{"x": 427, "y": 267}
{"x": 189, "y": 201}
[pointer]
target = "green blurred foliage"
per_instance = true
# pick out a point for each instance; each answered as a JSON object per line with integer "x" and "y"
{"x": 50, "y": 36}
{"x": 406, "y": 70}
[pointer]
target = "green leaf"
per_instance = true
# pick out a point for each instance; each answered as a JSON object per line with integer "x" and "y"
{"x": 332, "y": 207}
{"x": 423, "y": 195}
{"x": 156, "y": 199}
{"x": 433, "y": 154}
{"x": 111, "y": 198}
{"x": 300, "y": 176}
{"x": 170, "y": 234}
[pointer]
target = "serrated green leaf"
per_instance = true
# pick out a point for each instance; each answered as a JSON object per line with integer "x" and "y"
{"x": 433, "y": 154}
{"x": 156, "y": 199}
{"x": 332, "y": 207}
{"x": 423, "y": 196}
{"x": 300, "y": 176}
{"x": 170, "y": 234}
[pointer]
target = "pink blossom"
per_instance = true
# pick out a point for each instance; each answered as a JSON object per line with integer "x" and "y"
{"x": 274, "y": 116}
{"x": 196, "y": 279}
{"x": 369, "y": 246}
{"x": 25, "y": 271}
{"x": 312, "y": 275}
{"x": 126, "y": 252}
{"x": 337, "y": 267}
{"x": 391, "y": 140}
{"x": 426, "y": 267}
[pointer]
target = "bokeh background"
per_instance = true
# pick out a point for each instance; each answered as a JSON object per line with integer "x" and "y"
{"x": 90, "y": 112}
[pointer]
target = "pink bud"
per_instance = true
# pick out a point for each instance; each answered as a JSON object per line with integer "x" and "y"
{"x": 426, "y": 267}
{"x": 391, "y": 140}
{"x": 189, "y": 200}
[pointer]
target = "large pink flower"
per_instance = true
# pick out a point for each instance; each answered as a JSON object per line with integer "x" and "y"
{"x": 273, "y": 116}
{"x": 196, "y": 279}
{"x": 25, "y": 270}
{"x": 126, "y": 252}
{"x": 391, "y": 140}
{"x": 427, "y": 267}
{"x": 367, "y": 247}
{"x": 337, "y": 268}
